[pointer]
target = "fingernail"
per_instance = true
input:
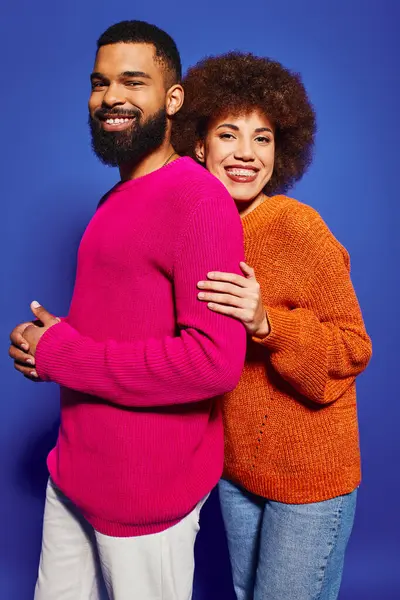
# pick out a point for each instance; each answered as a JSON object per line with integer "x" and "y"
{"x": 30, "y": 361}
{"x": 211, "y": 274}
{"x": 200, "y": 284}
{"x": 35, "y": 304}
{"x": 33, "y": 374}
{"x": 24, "y": 346}
{"x": 200, "y": 295}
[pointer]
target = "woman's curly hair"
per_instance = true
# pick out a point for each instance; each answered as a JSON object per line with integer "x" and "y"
{"x": 237, "y": 83}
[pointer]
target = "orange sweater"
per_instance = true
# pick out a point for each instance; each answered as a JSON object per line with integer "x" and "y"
{"x": 291, "y": 432}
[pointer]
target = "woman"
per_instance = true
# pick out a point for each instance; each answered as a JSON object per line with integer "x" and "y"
{"x": 292, "y": 463}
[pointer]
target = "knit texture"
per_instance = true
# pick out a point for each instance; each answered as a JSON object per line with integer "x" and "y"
{"x": 140, "y": 358}
{"x": 291, "y": 431}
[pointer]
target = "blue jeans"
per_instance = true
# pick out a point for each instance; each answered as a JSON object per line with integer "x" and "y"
{"x": 285, "y": 551}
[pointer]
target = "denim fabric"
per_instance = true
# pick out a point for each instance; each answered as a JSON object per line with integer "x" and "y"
{"x": 286, "y": 551}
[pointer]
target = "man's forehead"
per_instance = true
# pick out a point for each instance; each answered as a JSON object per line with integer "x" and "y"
{"x": 127, "y": 57}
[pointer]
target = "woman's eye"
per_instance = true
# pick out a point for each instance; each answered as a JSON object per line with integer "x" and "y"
{"x": 262, "y": 139}
{"x": 226, "y": 136}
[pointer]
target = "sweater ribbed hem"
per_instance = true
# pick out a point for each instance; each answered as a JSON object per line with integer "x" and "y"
{"x": 126, "y": 530}
{"x": 118, "y": 529}
{"x": 297, "y": 488}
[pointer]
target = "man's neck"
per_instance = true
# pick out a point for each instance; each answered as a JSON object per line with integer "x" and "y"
{"x": 148, "y": 164}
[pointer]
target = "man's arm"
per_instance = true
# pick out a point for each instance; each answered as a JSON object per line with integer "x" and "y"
{"x": 204, "y": 360}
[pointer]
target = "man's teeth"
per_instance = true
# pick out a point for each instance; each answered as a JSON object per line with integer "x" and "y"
{"x": 241, "y": 172}
{"x": 116, "y": 121}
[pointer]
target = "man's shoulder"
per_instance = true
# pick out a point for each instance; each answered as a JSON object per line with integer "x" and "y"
{"x": 195, "y": 179}
{"x": 195, "y": 191}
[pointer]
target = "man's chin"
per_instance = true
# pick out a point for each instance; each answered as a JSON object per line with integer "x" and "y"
{"x": 127, "y": 143}
{"x": 115, "y": 157}
{"x": 106, "y": 160}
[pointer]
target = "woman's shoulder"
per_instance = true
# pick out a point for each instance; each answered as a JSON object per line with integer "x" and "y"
{"x": 296, "y": 229}
{"x": 299, "y": 216}
{"x": 304, "y": 222}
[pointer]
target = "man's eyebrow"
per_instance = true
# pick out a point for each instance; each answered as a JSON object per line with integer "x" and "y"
{"x": 135, "y": 74}
{"x": 97, "y": 75}
{"x": 141, "y": 74}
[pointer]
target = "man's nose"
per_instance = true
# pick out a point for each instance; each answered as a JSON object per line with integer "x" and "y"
{"x": 114, "y": 96}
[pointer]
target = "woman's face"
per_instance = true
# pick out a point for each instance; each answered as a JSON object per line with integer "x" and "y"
{"x": 240, "y": 151}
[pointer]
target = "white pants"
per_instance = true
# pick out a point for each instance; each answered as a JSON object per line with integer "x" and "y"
{"x": 76, "y": 559}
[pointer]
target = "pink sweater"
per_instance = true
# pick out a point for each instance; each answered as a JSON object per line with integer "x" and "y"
{"x": 139, "y": 359}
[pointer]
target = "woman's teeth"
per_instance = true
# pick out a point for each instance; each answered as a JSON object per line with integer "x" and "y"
{"x": 241, "y": 172}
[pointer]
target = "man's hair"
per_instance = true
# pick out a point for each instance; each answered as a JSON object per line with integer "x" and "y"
{"x": 238, "y": 83}
{"x": 140, "y": 32}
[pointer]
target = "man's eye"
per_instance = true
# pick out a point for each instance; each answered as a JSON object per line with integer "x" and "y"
{"x": 97, "y": 84}
{"x": 133, "y": 83}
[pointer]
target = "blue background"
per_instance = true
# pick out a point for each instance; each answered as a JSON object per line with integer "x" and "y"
{"x": 347, "y": 52}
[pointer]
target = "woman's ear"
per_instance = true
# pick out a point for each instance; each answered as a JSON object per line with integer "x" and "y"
{"x": 200, "y": 151}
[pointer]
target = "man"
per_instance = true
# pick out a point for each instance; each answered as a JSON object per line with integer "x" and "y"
{"x": 139, "y": 359}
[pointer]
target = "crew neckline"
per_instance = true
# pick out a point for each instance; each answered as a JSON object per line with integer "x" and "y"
{"x": 123, "y": 185}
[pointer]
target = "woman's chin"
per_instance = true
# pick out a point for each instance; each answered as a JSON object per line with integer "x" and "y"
{"x": 244, "y": 198}
{"x": 242, "y": 192}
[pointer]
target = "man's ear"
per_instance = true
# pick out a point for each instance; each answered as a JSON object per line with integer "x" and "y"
{"x": 200, "y": 151}
{"x": 175, "y": 97}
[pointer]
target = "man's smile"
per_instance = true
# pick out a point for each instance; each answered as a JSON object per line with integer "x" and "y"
{"x": 116, "y": 123}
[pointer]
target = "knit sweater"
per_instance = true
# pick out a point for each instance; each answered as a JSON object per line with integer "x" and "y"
{"x": 291, "y": 431}
{"x": 140, "y": 359}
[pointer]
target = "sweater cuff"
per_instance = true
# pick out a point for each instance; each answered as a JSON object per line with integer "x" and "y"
{"x": 284, "y": 330}
{"x": 50, "y": 352}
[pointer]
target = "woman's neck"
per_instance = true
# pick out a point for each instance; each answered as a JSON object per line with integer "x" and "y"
{"x": 245, "y": 208}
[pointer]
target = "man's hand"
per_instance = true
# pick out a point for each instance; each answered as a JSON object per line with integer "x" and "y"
{"x": 25, "y": 338}
{"x": 19, "y": 352}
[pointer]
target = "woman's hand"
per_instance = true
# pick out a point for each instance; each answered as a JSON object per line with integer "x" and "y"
{"x": 238, "y": 297}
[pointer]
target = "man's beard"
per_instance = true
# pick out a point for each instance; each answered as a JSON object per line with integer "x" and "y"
{"x": 131, "y": 145}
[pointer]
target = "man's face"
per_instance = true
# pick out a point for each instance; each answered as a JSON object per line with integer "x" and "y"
{"x": 127, "y": 115}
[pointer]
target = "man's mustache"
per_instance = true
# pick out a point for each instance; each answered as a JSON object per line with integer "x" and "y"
{"x": 108, "y": 113}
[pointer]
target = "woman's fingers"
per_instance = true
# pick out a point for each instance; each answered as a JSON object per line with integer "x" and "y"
{"x": 247, "y": 270}
{"x": 230, "y": 311}
{"x": 241, "y": 314}
{"x": 222, "y": 287}
{"x": 226, "y": 299}
{"x": 228, "y": 277}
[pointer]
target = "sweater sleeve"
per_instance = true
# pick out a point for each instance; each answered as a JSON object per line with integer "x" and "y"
{"x": 205, "y": 357}
{"x": 321, "y": 346}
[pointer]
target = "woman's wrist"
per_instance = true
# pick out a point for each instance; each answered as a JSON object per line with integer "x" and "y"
{"x": 264, "y": 329}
